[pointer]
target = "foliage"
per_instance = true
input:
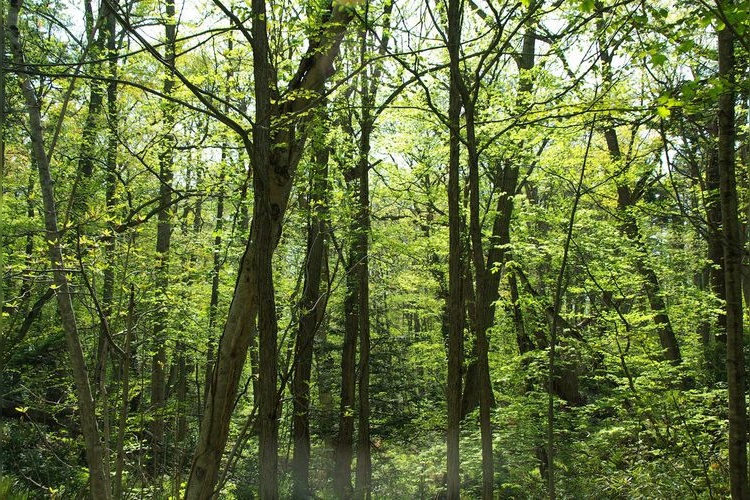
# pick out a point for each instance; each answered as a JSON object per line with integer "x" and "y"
{"x": 641, "y": 427}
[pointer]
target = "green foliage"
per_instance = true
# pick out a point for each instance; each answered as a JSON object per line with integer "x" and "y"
{"x": 10, "y": 489}
{"x": 642, "y": 427}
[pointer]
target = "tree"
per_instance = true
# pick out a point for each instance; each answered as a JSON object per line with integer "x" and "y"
{"x": 312, "y": 307}
{"x": 163, "y": 241}
{"x": 99, "y": 481}
{"x": 455, "y": 259}
{"x": 273, "y": 171}
{"x": 732, "y": 250}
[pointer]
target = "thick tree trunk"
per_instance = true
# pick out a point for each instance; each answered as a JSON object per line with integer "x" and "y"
{"x": 265, "y": 233}
{"x": 276, "y": 178}
{"x": 733, "y": 250}
{"x": 99, "y": 481}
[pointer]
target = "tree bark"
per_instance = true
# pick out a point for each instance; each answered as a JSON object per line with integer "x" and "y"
{"x": 369, "y": 89}
{"x": 733, "y": 250}
{"x": 125, "y": 399}
{"x": 264, "y": 232}
{"x": 364, "y": 466}
{"x": 98, "y": 480}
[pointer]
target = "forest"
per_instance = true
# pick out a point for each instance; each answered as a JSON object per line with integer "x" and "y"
{"x": 374, "y": 249}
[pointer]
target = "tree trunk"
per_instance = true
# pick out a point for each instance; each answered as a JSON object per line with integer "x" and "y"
{"x": 455, "y": 265}
{"x": 364, "y": 466}
{"x": 99, "y": 481}
{"x": 163, "y": 239}
{"x": 345, "y": 439}
{"x": 733, "y": 250}
{"x": 369, "y": 89}
{"x": 627, "y": 197}
{"x": 213, "y": 306}
{"x": 276, "y": 178}
{"x": 264, "y": 231}
{"x": 312, "y": 306}
{"x": 125, "y": 399}
{"x": 714, "y": 330}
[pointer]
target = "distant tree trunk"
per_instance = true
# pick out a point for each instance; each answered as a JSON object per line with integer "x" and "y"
{"x": 125, "y": 398}
{"x": 369, "y": 90}
{"x": 455, "y": 258}
{"x": 345, "y": 440}
{"x": 213, "y": 306}
{"x": 91, "y": 127}
{"x": 104, "y": 45}
{"x": 163, "y": 239}
{"x": 364, "y": 467}
{"x": 733, "y": 250}
{"x": 98, "y": 479}
{"x": 627, "y": 198}
{"x": 108, "y": 281}
{"x": 714, "y": 330}
{"x": 276, "y": 177}
{"x": 312, "y": 306}
{"x": 324, "y": 366}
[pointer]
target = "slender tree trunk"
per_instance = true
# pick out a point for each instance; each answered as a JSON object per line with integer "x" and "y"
{"x": 213, "y": 308}
{"x": 714, "y": 329}
{"x": 487, "y": 286}
{"x": 482, "y": 307}
{"x": 125, "y": 399}
{"x": 345, "y": 439}
{"x": 324, "y": 366}
{"x": 455, "y": 260}
{"x": 627, "y": 197}
{"x": 163, "y": 239}
{"x": 215, "y": 272}
{"x": 369, "y": 90}
{"x": 364, "y": 466}
{"x": 276, "y": 178}
{"x": 98, "y": 480}
{"x": 312, "y": 307}
{"x": 733, "y": 249}
{"x": 108, "y": 285}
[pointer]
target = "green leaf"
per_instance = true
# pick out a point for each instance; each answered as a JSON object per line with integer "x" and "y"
{"x": 663, "y": 111}
{"x": 658, "y": 59}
